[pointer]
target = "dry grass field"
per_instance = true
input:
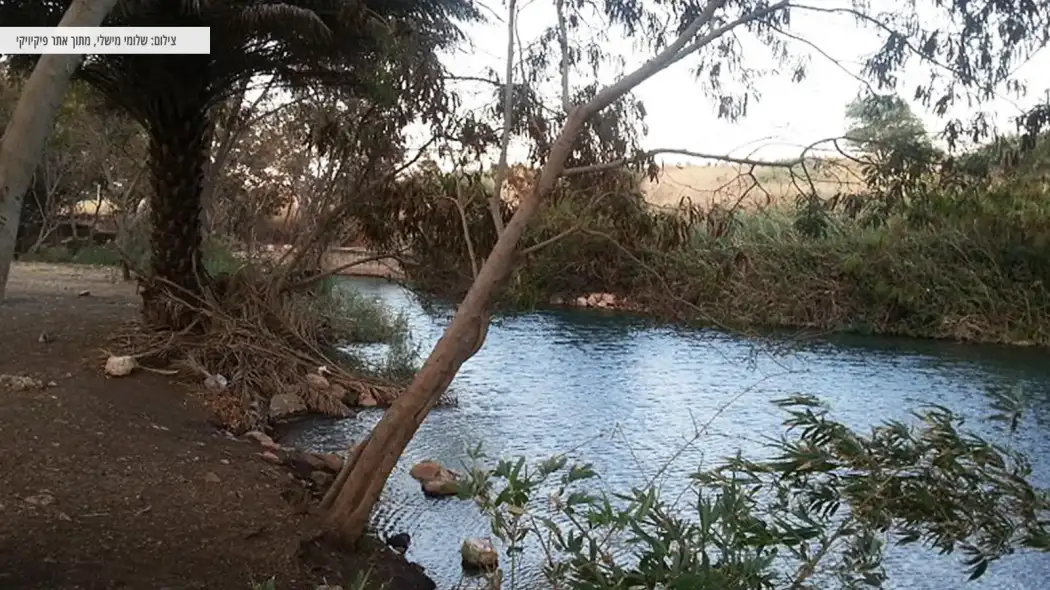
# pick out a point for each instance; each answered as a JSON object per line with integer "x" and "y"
{"x": 721, "y": 184}
{"x": 727, "y": 184}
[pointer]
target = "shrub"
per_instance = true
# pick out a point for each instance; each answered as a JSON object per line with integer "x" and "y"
{"x": 817, "y": 513}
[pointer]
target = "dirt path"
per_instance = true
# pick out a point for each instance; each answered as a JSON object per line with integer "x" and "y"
{"x": 123, "y": 483}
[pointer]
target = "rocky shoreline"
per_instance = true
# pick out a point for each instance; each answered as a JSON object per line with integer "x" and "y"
{"x": 596, "y": 300}
{"x": 317, "y": 472}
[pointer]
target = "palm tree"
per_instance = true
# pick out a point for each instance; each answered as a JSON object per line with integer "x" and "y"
{"x": 344, "y": 44}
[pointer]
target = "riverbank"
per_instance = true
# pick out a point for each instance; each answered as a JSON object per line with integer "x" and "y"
{"x": 108, "y": 483}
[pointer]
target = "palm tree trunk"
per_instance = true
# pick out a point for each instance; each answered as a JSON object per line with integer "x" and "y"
{"x": 31, "y": 124}
{"x": 180, "y": 138}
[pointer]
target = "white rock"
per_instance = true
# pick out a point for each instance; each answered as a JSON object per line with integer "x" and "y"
{"x": 581, "y": 302}
{"x": 215, "y": 382}
{"x": 120, "y": 366}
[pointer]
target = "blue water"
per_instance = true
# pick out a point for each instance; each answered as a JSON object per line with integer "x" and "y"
{"x": 626, "y": 396}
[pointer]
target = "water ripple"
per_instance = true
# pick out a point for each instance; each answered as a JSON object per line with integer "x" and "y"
{"x": 626, "y": 396}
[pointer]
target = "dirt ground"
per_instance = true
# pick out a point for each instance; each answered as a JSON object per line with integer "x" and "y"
{"x": 124, "y": 483}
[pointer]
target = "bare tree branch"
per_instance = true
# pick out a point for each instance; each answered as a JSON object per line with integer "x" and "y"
{"x": 496, "y": 199}
{"x": 563, "y": 42}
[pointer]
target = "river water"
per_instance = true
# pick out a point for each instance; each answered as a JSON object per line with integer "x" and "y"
{"x": 625, "y": 396}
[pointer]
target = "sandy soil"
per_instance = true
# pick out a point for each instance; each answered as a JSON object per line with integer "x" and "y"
{"x": 124, "y": 483}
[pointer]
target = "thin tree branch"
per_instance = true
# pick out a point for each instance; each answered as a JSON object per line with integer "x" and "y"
{"x": 496, "y": 198}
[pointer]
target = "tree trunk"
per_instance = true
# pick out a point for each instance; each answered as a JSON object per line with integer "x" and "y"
{"x": 365, "y": 479}
{"x": 31, "y": 124}
{"x": 374, "y": 461}
{"x": 180, "y": 137}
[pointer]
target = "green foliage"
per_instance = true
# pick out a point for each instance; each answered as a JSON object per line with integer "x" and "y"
{"x": 877, "y": 120}
{"x": 817, "y": 514}
{"x": 358, "y": 319}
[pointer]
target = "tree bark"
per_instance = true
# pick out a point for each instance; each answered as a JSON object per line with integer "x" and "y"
{"x": 31, "y": 124}
{"x": 180, "y": 139}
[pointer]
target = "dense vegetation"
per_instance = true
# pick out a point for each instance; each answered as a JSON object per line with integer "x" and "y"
{"x": 937, "y": 246}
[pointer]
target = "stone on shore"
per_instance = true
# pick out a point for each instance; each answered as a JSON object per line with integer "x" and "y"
{"x": 479, "y": 553}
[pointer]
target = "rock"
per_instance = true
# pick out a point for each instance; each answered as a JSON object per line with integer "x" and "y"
{"x": 270, "y": 457}
{"x": 212, "y": 477}
{"x": 44, "y": 338}
{"x": 399, "y": 542}
{"x": 120, "y": 366}
{"x": 425, "y": 470}
{"x": 332, "y": 461}
{"x": 317, "y": 381}
{"x": 479, "y": 553}
{"x": 84, "y": 293}
{"x": 20, "y": 382}
{"x": 556, "y": 300}
{"x": 581, "y": 302}
{"x": 263, "y": 439}
{"x": 609, "y": 299}
{"x": 215, "y": 382}
{"x": 446, "y": 485}
{"x": 43, "y": 499}
{"x": 365, "y": 400}
{"x": 436, "y": 479}
{"x": 284, "y": 405}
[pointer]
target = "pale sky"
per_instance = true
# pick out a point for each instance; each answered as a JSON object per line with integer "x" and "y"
{"x": 788, "y": 116}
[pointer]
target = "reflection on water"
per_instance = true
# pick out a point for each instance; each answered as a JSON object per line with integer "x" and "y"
{"x": 625, "y": 397}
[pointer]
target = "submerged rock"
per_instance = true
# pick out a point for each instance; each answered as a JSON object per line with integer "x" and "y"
{"x": 399, "y": 542}
{"x": 479, "y": 553}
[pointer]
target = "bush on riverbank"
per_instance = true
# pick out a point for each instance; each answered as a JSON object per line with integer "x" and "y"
{"x": 817, "y": 513}
{"x": 933, "y": 250}
{"x": 270, "y": 339}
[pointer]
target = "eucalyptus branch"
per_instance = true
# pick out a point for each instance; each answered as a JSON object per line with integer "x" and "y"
{"x": 466, "y": 228}
{"x": 563, "y": 42}
{"x": 496, "y": 198}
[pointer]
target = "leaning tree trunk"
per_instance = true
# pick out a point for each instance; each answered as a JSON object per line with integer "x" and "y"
{"x": 180, "y": 137}
{"x": 31, "y": 123}
{"x": 362, "y": 483}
